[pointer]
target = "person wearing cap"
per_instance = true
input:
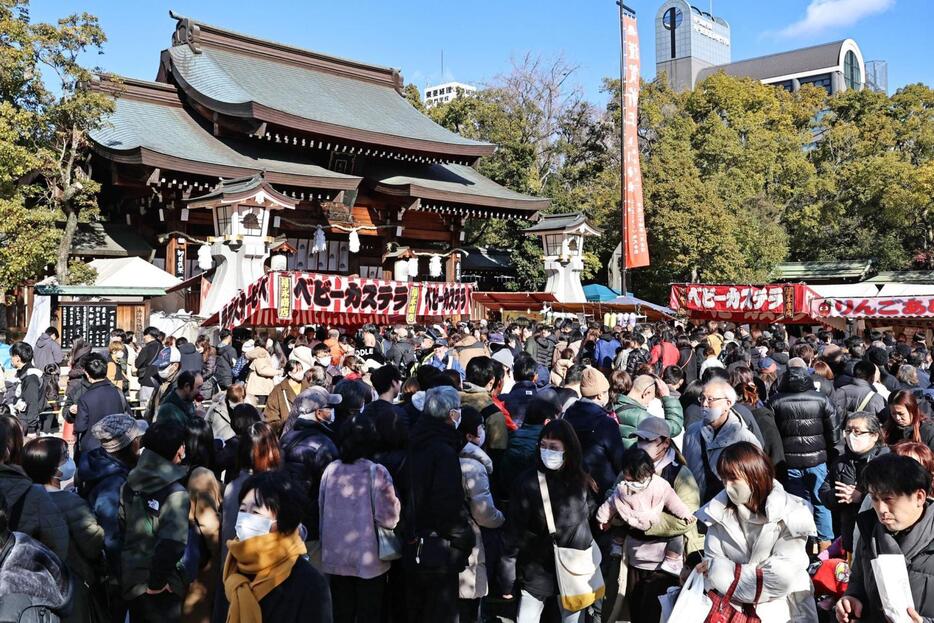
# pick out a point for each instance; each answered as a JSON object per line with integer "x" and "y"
{"x": 102, "y": 398}
{"x": 283, "y": 395}
{"x": 442, "y": 359}
{"x": 101, "y": 473}
{"x": 439, "y": 538}
{"x": 599, "y": 435}
{"x": 308, "y": 446}
{"x": 633, "y": 407}
{"x": 168, "y": 365}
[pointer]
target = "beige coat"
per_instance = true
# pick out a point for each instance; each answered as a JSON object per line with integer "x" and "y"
{"x": 262, "y": 373}
{"x": 476, "y": 468}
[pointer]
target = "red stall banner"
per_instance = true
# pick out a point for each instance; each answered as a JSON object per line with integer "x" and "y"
{"x": 637, "y": 244}
{"x": 895, "y": 307}
{"x": 788, "y": 303}
{"x": 298, "y": 298}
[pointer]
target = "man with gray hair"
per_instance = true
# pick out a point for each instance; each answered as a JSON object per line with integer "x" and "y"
{"x": 439, "y": 538}
{"x": 720, "y": 427}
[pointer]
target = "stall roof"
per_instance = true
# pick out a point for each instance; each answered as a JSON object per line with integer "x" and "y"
{"x": 904, "y": 276}
{"x": 128, "y": 272}
{"x": 622, "y": 304}
{"x": 599, "y": 292}
{"x": 854, "y": 270}
{"x": 48, "y": 290}
{"x": 514, "y": 301}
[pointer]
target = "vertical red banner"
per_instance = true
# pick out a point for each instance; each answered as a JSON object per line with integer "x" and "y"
{"x": 637, "y": 246}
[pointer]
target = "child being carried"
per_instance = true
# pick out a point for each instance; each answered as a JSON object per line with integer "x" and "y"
{"x": 639, "y": 500}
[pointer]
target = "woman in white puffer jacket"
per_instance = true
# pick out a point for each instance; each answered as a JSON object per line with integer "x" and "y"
{"x": 754, "y": 525}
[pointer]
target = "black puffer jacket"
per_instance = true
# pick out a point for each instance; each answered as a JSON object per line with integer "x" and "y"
{"x": 806, "y": 420}
{"x": 307, "y": 449}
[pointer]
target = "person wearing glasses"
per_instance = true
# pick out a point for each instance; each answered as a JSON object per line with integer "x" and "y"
{"x": 842, "y": 491}
{"x": 719, "y": 428}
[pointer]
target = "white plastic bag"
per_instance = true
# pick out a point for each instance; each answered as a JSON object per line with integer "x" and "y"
{"x": 691, "y": 606}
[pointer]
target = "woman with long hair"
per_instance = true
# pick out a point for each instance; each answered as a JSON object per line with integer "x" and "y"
{"x": 906, "y": 420}
{"x": 756, "y": 540}
{"x": 208, "y": 365}
{"x": 747, "y": 391}
{"x": 527, "y": 538}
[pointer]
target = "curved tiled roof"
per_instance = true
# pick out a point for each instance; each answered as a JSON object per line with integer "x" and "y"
{"x": 782, "y": 64}
{"x": 151, "y": 127}
{"x": 244, "y": 77}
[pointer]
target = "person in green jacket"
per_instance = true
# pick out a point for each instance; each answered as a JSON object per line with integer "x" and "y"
{"x": 154, "y": 507}
{"x": 179, "y": 404}
{"x": 632, "y": 407}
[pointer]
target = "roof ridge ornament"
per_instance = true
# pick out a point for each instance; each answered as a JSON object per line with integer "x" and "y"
{"x": 187, "y": 32}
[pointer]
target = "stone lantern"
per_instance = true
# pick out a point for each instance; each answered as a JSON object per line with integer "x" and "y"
{"x": 241, "y": 209}
{"x": 563, "y": 242}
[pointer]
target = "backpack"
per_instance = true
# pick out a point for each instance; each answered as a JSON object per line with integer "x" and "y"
{"x": 197, "y": 554}
{"x": 240, "y": 369}
{"x": 20, "y": 608}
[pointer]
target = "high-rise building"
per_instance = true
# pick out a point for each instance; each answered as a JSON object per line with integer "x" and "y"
{"x": 442, "y": 93}
{"x": 687, "y": 41}
{"x": 877, "y": 76}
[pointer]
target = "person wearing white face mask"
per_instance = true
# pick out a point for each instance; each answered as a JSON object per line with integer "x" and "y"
{"x": 842, "y": 492}
{"x": 308, "y": 446}
{"x": 280, "y": 400}
{"x": 756, "y": 538}
{"x": 720, "y": 428}
{"x": 267, "y": 575}
{"x": 527, "y": 539}
{"x": 47, "y": 462}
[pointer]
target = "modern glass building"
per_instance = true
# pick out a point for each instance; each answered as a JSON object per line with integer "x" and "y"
{"x": 688, "y": 40}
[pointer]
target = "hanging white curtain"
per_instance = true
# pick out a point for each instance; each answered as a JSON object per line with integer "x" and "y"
{"x": 413, "y": 267}
{"x": 434, "y": 266}
{"x": 354, "y": 243}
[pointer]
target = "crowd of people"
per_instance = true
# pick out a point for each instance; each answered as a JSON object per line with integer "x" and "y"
{"x": 436, "y": 473}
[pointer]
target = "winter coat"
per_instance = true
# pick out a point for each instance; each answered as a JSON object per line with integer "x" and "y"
{"x": 223, "y": 365}
{"x": 174, "y": 407}
{"x": 849, "y": 397}
{"x": 666, "y": 352}
{"x": 526, "y": 538}
{"x": 205, "y": 498}
{"x": 778, "y": 550}
{"x": 307, "y": 450}
{"x": 601, "y": 444}
{"x": 605, "y": 351}
{"x": 771, "y": 437}
{"x": 497, "y": 435}
{"x": 101, "y": 476}
{"x": 643, "y": 509}
{"x": 40, "y": 517}
{"x": 401, "y": 354}
{"x": 926, "y": 430}
{"x": 630, "y": 412}
{"x": 352, "y": 500}
{"x": 85, "y": 549}
{"x": 521, "y": 455}
{"x": 29, "y": 567}
{"x": 6, "y": 360}
{"x": 191, "y": 358}
{"x": 145, "y": 371}
{"x": 518, "y": 399}
{"x": 848, "y": 469}
{"x": 916, "y": 545}
{"x": 101, "y": 399}
{"x": 559, "y": 371}
{"x": 151, "y": 559}
{"x": 304, "y": 596}
{"x": 542, "y": 349}
{"x": 436, "y": 494}
{"x": 687, "y": 361}
{"x": 31, "y": 392}
{"x": 279, "y": 404}
{"x": 262, "y": 376}
{"x": 218, "y": 416}
{"x": 694, "y": 413}
{"x": 47, "y": 352}
{"x": 468, "y": 348}
{"x": 700, "y": 436}
{"x": 806, "y": 420}
{"x": 476, "y": 471}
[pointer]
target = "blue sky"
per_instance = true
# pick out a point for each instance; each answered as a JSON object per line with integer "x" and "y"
{"x": 480, "y": 37}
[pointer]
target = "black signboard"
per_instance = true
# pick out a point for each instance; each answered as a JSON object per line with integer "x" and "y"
{"x": 92, "y": 321}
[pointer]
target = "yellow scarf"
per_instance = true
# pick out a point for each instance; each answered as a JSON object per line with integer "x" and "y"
{"x": 269, "y": 559}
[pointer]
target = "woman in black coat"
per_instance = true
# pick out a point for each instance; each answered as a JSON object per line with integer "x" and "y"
{"x": 842, "y": 491}
{"x": 747, "y": 391}
{"x": 906, "y": 421}
{"x": 527, "y": 540}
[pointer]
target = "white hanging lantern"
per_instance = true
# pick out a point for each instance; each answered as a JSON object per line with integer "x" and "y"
{"x": 205, "y": 261}
{"x": 354, "y": 245}
{"x": 413, "y": 267}
{"x": 320, "y": 243}
{"x": 434, "y": 266}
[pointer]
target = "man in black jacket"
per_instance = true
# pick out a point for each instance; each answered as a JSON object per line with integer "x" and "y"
{"x": 102, "y": 398}
{"x": 145, "y": 371}
{"x": 30, "y": 395}
{"x": 438, "y": 531}
{"x": 807, "y": 422}
{"x": 226, "y": 357}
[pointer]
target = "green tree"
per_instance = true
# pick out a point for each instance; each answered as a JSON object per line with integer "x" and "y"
{"x": 414, "y": 97}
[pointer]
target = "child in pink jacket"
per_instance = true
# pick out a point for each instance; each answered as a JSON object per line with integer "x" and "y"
{"x": 639, "y": 499}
